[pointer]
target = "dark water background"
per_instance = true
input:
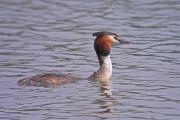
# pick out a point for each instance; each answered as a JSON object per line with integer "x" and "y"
{"x": 38, "y": 36}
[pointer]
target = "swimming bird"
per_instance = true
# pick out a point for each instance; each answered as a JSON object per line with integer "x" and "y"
{"x": 102, "y": 46}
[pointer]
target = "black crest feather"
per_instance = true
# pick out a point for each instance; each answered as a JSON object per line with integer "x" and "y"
{"x": 103, "y": 33}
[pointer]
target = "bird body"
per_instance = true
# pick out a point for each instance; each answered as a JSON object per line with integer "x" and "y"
{"x": 102, "y": 46}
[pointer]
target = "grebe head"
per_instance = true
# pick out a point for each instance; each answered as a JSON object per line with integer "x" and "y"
{"x": 104, "y": 42}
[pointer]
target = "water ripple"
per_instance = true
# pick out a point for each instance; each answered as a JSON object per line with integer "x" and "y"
{"x": 55, "y": 36}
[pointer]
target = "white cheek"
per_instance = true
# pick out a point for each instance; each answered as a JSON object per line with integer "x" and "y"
{"x": 116, "y": 41}
{"x": 113, "y": 39}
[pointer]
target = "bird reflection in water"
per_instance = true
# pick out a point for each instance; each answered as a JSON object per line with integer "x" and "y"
{"x": 106, "y": 88}
{"x": 108, "y": 103}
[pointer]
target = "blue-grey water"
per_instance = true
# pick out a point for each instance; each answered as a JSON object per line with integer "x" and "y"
{"x": 39, "y": 36}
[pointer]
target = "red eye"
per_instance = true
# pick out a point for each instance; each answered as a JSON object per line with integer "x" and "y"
{"x": 116, "y": 38}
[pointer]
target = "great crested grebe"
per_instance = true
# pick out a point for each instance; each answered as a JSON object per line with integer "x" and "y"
{"x": 102, "y": 46}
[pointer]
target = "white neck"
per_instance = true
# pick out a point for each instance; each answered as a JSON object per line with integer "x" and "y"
{"x": 104, "y": 72}
{"x": 106, "y": 67}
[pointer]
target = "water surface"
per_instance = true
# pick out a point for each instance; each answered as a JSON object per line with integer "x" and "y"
{"x": 55, "y": 36}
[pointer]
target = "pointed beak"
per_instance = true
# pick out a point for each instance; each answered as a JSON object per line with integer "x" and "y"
{"x": 123, "y": 41}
